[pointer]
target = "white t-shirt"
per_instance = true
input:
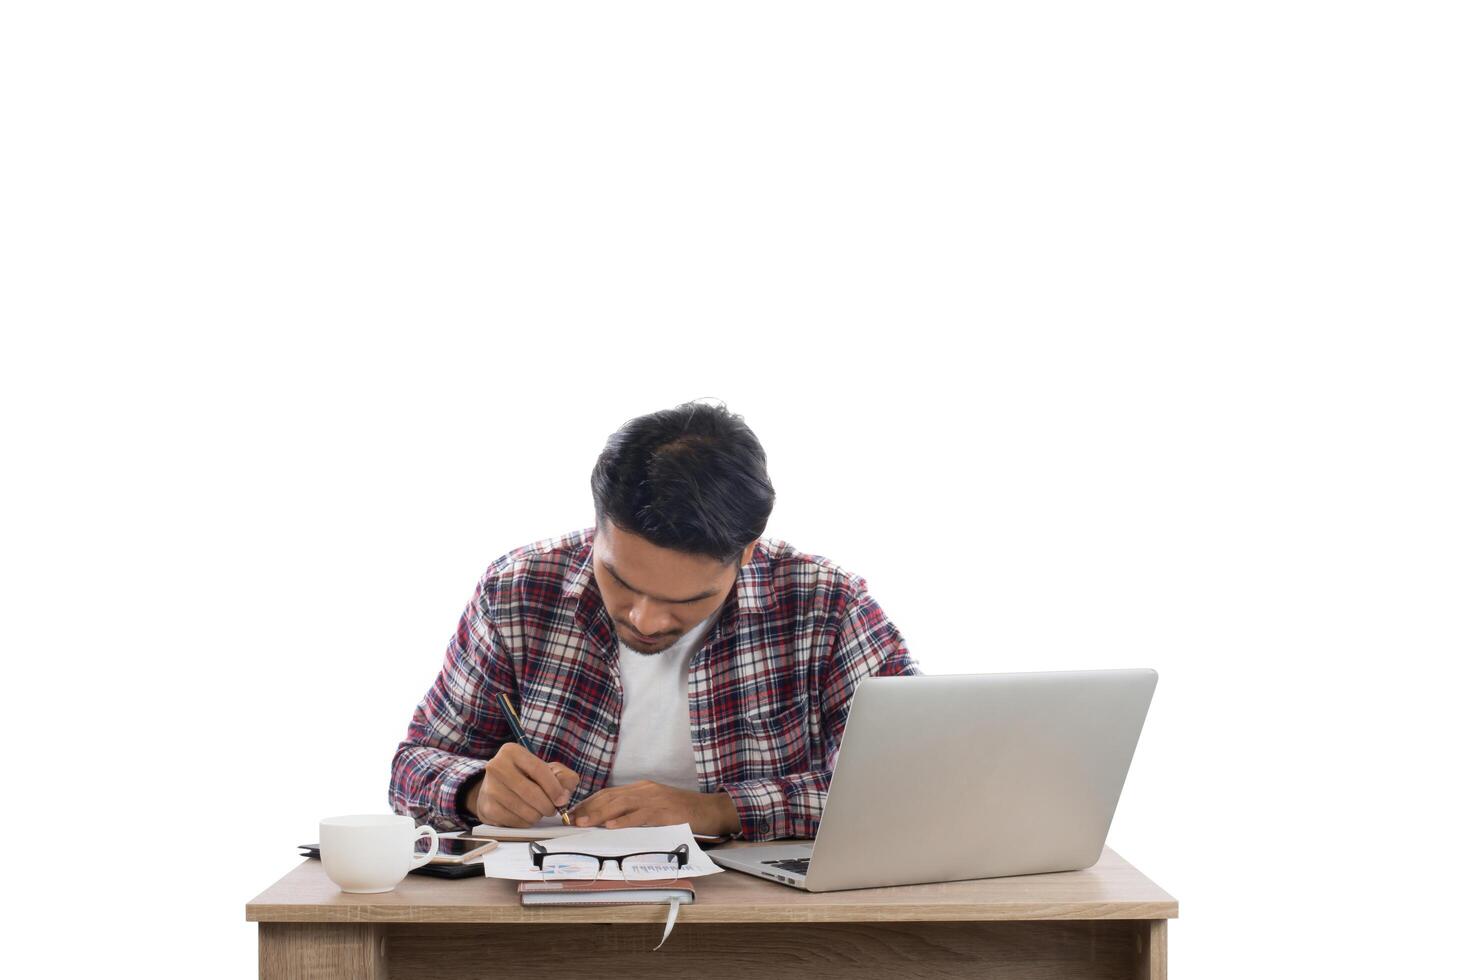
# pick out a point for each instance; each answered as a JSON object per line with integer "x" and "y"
{"x": 653, "y": 739}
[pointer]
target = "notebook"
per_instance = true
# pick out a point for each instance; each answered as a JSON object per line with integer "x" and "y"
{"x": 571, "y": 892}
{"x": 546, "y": 829}
{"x": 549, "y": 828}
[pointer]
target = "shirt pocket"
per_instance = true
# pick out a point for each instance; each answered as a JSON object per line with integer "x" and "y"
{"x": 775, "y": 743}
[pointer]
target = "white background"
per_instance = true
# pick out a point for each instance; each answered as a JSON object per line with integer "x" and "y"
{"x": 1092, "y": 335}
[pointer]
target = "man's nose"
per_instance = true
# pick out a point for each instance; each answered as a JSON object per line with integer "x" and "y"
{"x": 648, "y": 618}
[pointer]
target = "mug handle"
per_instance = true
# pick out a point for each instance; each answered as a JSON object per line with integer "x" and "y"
{"x": 419, "y": 860}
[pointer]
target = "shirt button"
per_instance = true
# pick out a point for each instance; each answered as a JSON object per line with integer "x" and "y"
{"x": 612, "y": 728}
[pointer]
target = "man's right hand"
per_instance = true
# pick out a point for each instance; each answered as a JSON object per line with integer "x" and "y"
{"x": 516, "y": 789}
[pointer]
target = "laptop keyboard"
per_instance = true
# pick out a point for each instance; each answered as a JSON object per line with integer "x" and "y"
{"x": 798, "y": 865}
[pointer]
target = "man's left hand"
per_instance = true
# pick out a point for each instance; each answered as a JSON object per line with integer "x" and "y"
{"x": 649, "y": 804}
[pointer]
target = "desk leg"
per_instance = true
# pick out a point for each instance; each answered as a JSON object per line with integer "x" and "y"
{"x": 321, "y": 951}
{"x": 1152, "y": 949}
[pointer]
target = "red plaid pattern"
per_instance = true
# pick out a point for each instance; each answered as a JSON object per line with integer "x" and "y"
{"x": 768, "y": 691}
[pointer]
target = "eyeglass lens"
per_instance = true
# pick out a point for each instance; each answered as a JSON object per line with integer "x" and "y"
{"x": 650, "y": 866}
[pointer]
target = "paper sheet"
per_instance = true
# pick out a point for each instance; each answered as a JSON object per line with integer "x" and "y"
{"x": 513, "y": 862}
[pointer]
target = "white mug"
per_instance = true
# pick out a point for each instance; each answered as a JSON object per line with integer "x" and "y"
{"x": 371, "y": 853}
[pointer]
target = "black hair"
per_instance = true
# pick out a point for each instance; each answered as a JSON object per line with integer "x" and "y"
{"x": 690, "y": 478}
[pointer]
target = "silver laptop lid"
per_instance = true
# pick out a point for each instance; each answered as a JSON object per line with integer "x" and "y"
{"x": 947, "y": 777}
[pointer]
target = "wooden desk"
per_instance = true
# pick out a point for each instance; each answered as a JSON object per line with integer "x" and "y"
{"x": 1108, "y": 921}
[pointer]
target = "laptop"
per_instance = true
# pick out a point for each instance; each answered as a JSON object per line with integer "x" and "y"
{"x": 950, "y": 777}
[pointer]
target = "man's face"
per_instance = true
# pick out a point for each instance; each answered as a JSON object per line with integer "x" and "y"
{"x": 656, "y": 595}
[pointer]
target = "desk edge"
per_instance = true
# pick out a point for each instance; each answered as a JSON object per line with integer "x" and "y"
{"x": 450, "y": 914}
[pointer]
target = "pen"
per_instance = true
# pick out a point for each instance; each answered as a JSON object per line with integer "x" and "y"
{"x": 513, "y": 720}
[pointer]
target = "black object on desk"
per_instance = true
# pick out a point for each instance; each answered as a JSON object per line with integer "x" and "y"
{"x": 472, "y": 870}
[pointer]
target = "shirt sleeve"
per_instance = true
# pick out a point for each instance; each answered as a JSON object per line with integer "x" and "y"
{"x": 867, "y": 645}
{"x": 456, "y": 727}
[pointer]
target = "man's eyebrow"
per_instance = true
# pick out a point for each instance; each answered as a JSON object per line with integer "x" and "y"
{"x": 613, "y": 572}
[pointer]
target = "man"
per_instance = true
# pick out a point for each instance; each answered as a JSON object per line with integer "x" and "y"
{"x": 668, "y": 665}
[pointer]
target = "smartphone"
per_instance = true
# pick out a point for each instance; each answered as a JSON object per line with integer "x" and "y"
{"x": 457, "y": 850}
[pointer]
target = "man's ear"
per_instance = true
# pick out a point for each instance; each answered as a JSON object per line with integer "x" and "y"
{"x": 749, "y": 550}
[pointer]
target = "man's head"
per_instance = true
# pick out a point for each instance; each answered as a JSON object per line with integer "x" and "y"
{"x": 681, "y": 498}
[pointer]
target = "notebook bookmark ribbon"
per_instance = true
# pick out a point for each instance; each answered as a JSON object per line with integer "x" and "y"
{"x": 673, "y": 904}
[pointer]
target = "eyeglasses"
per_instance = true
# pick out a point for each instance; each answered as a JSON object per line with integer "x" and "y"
{"x": 640, "y": 866}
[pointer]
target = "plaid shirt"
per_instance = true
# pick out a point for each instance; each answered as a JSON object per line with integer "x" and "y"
{"x": 768, "y": 690}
